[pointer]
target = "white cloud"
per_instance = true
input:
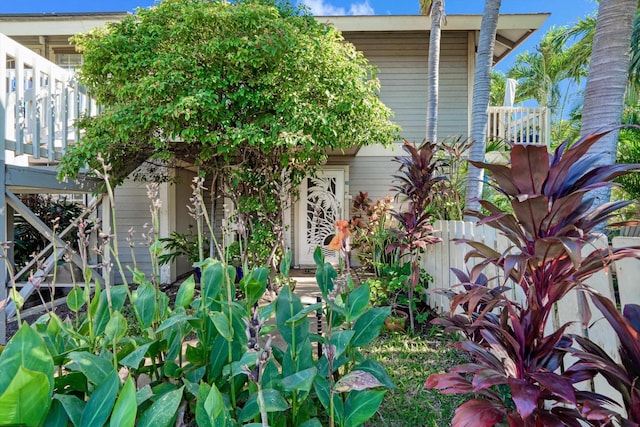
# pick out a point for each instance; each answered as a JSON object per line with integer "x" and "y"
{"x": 363, "y": 8}
{"x": 323, "y": 8}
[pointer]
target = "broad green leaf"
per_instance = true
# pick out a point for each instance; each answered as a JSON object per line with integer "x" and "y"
{"x": 27, "y": 349}
{"x": 17, "y": 298}
{"x": 253, "y": 289}
{"x": 76, "y": 299}
{"x": 125, "y": 409}
{"x": 321, "y": 387}
{"x": 273, "y": 402}
{"x": 265, "y": 312}
{"x": 358, "y": 301}
{"x": 367, "y": 327}
{"x": 186, "y": 292}
{"x": 325, "y": 275}
{"x": 145, "y": 302}
{"x": 340, "y": 340}
{"x": 213, "y": 404}
{"x": 211, "y": 283}
{"x": 73, "y": 406}
{"x": 203, "y": 419}
{"x": 174, "y": 320}
{"x": 138, "y": 276}
{"x": 144, "y": 394}
{"x": 118, "y": 297}
{"x": 163, "y": 410}
{"x": 360, "y": 406}
{"x": 221, "y": 322}
{"x": 26, "y": 400}
{"x": 133, "y": 359}
{"x": 318, "y": 256}
{"x": 313, "y": 422}
{"x": 300, "y": 381}
{"x": 116, "y": 327}
{"x": 301, "y": 315}
{"x": 57, "y": 416}
{"x": 288, "y": 305}
{"x": 95, "y": 368}
{"x": 285, "y": 264}
{"x": 100, "y": 403}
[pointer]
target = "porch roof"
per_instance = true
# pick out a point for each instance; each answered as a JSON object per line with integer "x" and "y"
{"x": 513, "y": 29}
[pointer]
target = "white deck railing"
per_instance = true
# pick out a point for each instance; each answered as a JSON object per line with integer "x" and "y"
{"x": 520, "y": 124}
{"x": 39, "y": 103}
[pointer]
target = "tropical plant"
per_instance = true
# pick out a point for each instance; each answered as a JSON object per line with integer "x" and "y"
{"x": 498, "y": 88}
{"x": 625, "y": 376}
{"x": 418, "y": 180}
{"x": 180, "y": 245}
{"x": 481, "y": 94}
{"x": 434, "y": 8}
{"x": 553, "y": 220}
{"x": 255, "y": 92}
{"x": 371, "y": 227}
{"x": 449, "y": 200}
{"x": 232, "y": 374}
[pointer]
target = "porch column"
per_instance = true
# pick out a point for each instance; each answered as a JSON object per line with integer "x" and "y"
{"x": 3, "y": 201}
{"x": 167, "y": 220}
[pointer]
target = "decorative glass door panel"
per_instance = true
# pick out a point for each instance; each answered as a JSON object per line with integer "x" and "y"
{"x": 320, "y": 206}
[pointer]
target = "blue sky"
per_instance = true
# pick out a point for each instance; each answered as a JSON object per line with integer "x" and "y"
{"x": 563, "y": 12}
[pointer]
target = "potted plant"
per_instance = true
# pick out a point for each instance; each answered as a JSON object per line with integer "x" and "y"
{"x": 181, "y": 245}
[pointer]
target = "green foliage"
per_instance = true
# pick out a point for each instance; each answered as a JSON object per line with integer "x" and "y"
{"x": 181, "y": 245}
{"x": 255, "y": 92}
{"x": 371, "y": 227}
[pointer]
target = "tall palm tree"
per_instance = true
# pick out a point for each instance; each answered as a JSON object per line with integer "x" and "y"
{"x": 608, "y": 78}
{"x": 581, "y": 37}
{"x": 480, "y": 106}
{"x": 434, "y": 8}
{"x": 541, "y": 72}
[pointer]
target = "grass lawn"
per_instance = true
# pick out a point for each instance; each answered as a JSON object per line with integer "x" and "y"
{"x": 409, "y": 360}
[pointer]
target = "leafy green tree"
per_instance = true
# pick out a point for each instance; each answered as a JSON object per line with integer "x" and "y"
{"x": 541, "y": 72}
{"x": 255, "y": 92}
{"x": 498, "y": 87}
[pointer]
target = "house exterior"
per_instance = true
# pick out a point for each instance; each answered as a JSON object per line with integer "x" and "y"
{"x": 397, "y": 45}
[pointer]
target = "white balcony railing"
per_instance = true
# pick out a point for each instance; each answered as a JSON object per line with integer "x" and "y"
{"x": 520, "y": 124}
{"x": 39, "y": 103}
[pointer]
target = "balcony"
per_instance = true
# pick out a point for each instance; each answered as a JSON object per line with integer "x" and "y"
{"x": 41, "y": 102}
{"x": 520, "y": 125}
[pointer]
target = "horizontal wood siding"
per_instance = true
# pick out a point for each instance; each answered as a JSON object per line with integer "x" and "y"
{"x": 369, "y": 174}
{"x": 132, "y": 212}
{"x": 402, "y": 63}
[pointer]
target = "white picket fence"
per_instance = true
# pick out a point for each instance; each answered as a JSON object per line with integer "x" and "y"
{"x": 440, "y": 258}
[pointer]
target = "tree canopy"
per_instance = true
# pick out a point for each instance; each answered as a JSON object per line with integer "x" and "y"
{"x": 223, "y": 83}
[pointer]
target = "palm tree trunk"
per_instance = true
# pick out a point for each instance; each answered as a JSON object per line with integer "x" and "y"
{"x": 480, "y": 106}
{"x": 607, "y": 80}
{"x": 437, "y": 10}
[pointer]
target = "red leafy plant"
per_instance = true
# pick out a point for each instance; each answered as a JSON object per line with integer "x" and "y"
{"x": 418, "y": 180}
{"x": 625, "y": 376}
{"x": 553, "y": 219}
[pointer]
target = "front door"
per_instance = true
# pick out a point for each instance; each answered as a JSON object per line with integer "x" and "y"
{"x": 321, "y": 205}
